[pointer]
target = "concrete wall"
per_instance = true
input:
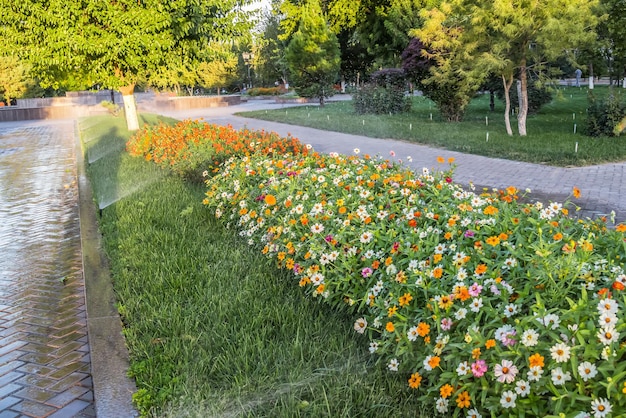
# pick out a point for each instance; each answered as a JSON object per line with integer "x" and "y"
{"x": 79, "y": 104}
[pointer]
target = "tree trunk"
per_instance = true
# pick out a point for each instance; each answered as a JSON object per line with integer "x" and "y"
{"x": 507, "y": 103}
{"x": 130, "y": 108}
{"x": 492, "y": 100}
{"x": 590, "y": 76}
{"x": 522, "y": 92}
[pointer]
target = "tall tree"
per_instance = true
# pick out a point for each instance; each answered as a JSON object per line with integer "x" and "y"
{"x": 511, "y": 36}
{"x": 14, "y": 78}
{"x": 117, "y": 43}
{"x": 313, "y": 55}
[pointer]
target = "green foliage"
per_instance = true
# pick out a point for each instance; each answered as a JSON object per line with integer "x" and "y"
{"x": 14, "y": 78}
{"x": 113, "y": 109}
{"x": 385, "y": 95}
{"x": 605, "y": 116}
{"x": 313, "y": 55}
{"x": 266, "y": 91}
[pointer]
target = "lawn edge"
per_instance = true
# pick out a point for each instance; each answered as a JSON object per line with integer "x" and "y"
{"x": 113, "y": 389}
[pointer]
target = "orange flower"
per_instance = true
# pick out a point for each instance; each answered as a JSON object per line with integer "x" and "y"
{"x": 618, "y": 286}
{"x": 446, "y": 390}
{"x": 461, "y": 293}
{"x": 621, "y": 228}
{"x": 405, "y": 299}
{"x": 342, "y": 210}
{"x": 476, "y": 353}
{"x": 437, "y": 273}
{"x": 437, "y": 258}
{"x": 536, "y": 360}
{"x": 423, "y": 329}
{"x": 511, "y": 190}
{"x": 390, "y": 327}
{"x": 481, "y": 269}
{"x": 557, "y": 237}
{"x": 415, "y": 381}
{"x": 440, "y": 160}
{"x": 576, "y": 192}
{"x": 388, "y": 261}
{"x": 434, "y": 361}
{"x": 490, "y": 344}
{"x": 450, "y": 160}
{"x": 493, "y": 241}
{"x": 491, "y": 210}
{"x": 463, "y": 400}
{"x": 503, "y": 236}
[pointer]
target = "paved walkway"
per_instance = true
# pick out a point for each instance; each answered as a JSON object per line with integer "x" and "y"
{"x": 44, "y": 348}
{"x": 603, "y": 187}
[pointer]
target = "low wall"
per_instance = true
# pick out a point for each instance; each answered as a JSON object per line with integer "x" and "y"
{"x": 72, "y": 98}
{"x": 14, "y": 113}
{"x": 162, "y": 102}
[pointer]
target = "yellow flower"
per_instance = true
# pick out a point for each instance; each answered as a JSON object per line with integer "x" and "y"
{"x": 405, "y": 299}
{"x": 493, "y": 241}
{"x": 391, "y": 311}
{"x": 576, "y": 192}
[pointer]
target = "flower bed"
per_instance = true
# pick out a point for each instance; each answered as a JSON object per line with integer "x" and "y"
{"x": 487, "y": 307}
{"x": 190, "y": 147}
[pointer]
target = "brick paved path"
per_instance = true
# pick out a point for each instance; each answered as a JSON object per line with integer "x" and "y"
{"x": 44, "y": 349}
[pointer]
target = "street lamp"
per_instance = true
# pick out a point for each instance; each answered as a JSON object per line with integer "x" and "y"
{"x": 247, "y": 59}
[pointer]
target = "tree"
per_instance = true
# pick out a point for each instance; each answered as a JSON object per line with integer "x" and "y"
{"x": 13, "y": 78}
{"x": 511, "y": 37}
{"x": 117, "y": 44}
{"x": 220, "y": 71}
{"x": 313, "y": 55}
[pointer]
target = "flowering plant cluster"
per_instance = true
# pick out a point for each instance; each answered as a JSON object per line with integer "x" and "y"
{"x": 189, "y": 145}
{"x": 487, "y": 306}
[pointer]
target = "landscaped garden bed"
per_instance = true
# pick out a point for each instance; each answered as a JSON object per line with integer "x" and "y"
{"x": 480, "y": 303}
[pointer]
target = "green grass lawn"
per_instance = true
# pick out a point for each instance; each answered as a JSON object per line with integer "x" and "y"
{"x": 550, "y": 140}
{"x": 213, "y": 327}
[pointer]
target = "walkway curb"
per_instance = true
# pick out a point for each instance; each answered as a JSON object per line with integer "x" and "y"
{"x": 113, "y": 389}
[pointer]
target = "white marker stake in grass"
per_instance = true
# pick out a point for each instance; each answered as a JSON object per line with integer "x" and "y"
{"x": 486, "y": 120}
{"x": 576, "y": 148}
{"x": 431, "y": 116}
{"x": 574, "y": 128}
{"x": 328, "y": 117}
{"x": 573, "y": 116}
{"x": 308, "y": 115}
{"x": 410, "y": 126}
{"x": 487, "y": 140}
{"x": 363, "y": 122}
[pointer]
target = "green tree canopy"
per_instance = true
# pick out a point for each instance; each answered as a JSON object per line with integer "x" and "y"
{"x": 117, "y": 44}
{"x": 313, "y": 55}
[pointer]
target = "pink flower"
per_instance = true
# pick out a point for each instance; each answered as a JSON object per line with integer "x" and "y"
{"x": 446, "y": 324}
{"x": 479, "y": 368}
{"x": 366, "y": 272}
{"x": 475, "y": 289}
{"x": 505, "y": 371}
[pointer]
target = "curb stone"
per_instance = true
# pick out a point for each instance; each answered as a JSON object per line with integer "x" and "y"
{"x": 113, "y": 389}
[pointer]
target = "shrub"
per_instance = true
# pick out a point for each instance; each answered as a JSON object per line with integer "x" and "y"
{"x": 111, "y": 107}
{"x": 604, "y": 117}
{"x": 385, "y": 94}
{"x": 485, "y": 306}
{"x": 192, "y": 147}
{"x": 266, "y": 91}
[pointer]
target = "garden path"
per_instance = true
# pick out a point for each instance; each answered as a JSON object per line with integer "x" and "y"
{"x": 603, "y": 187}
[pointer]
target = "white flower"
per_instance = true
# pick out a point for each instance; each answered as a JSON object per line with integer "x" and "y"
{"x": 426, "y": 365}
{"x": 551, "y": 321}
{"x": 508, "y": 399}
{"x": 601, "y": 407}
{"x": 442, "y": 405}
{"x": 473, "y": 413}
{"x": 522, "y": 388}
{"x": 477, "y": 303}
{"x": 608, "y": 335}
{"x": 510, "y": 310}
{"x": 607, "y": 319}
{"x": 460, "y": 314}
{"x": 505, "y": 371}
{"x": 587, "y": 370}
{"x": 393, "y": 365}
{"x": 366, "y": 237}
{"x": 559, "y": 377}
{"x": 360, "y": 325}
{"x": 412, "y": 333}
{"x": 463, "y": 368}
{"x": 530, "y": 338}
{"x": 317, "y": 279}
{"x": 317, "y": 228}
{"x": 356, "y": 151}
{"x": 535, "y": 373}
{"x": 560, "y": 352}
{"x": 373, "y": 347}
{"x": 607, "y": 306}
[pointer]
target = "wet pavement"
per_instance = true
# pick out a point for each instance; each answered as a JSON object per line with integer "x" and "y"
{"x": 44, "y": 349}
